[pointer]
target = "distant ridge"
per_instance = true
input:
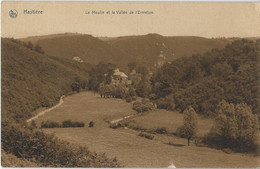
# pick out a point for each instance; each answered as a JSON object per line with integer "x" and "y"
{"x": 34, "y": 39}
{"x": 151, "y": 49}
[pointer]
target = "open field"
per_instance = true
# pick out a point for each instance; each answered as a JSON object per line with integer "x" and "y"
{"x": 130, "y": 149}
{"x": 170, "y": 120}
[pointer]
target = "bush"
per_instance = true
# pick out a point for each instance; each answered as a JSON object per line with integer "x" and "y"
{"x": 166, "y": 103}
{"x": 65, "y": 124}
{"x": 69, "y": 123}
{"x": 134, "y": 98}
{"x": 78, "y": 124}
{"x": 161, "y": 130}
{"x": 75, "y": 87}
{"x": 143, "y": 106}
{"x": 91, "y": 124}
{"x": 128, "y": 99}
{"x": 50, "y": 124}
{"x": 146, "y": 135}
{"x": 48, "y": 151}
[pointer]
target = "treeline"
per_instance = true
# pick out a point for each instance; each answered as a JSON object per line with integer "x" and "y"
{"x": 202, "y": 81}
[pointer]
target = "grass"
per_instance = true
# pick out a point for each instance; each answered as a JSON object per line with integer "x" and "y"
{"x": 86, "y": 107}
{"x": 125, "y": 144}
{"x": 170, "y": 120}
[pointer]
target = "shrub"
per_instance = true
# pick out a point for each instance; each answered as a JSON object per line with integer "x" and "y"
{"x": 91, "y": 124}
{"x": 161, "y": 130}
{"x": 48, "y": 151}
{"x": 166, "y": 103}
{"x": 143, "y": 106}
{"x": 75, "y": 87}
{"x": 50, "y": 124}
{"x": 65, "y": 124}
{"x": 78, "y": 124}
{"x": 128, "y": 99}
{"x": 134, "y": 98}
{"x": 146, "y": 135}
{"x": 69, "y": 123}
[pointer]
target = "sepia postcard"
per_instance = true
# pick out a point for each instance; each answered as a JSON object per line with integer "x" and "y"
{"x": 130, "y": 84}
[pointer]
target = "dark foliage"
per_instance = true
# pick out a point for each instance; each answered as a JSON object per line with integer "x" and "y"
{"x": 143, "y": 106}
{"x": 166, "y": 103}
{"x": 202, "y": 81}
{"x": 161, "y": 130}
{"x": 65, "y": 124}
{"x": 128, "y": 99}
{"x": 75, "y": 87}
{"x": 68, "y": 123}
{"x": 50, "y": 124}
{"x": 96, "y": 75}
{"x": 146, "y": 135}
{"x": 38, "y": 49}
{"x": 48, "y": 151}
{"x": 235, "y": 128}
{"x": 91, "y": 124}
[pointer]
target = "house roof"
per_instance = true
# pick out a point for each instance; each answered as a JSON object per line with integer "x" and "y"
{"x": 118, "y": 73}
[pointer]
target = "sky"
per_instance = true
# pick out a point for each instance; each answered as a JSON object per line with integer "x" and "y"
{"x": 206, "y": 19}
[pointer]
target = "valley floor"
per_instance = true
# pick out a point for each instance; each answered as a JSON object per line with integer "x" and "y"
{"x": 125, "y": 144}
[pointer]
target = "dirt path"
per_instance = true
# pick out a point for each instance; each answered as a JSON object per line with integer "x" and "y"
{"x": 47, "y": 110}
{"x": 124, "y": 118}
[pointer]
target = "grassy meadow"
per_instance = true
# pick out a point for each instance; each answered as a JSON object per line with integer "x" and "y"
{"x": 125, "y": 144}
{"x": 171, "y": 120}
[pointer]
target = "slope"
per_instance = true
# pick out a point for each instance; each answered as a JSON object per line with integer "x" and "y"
{"x": 151, "y": 50}
{"x": 31, "y": 80}
{"x": 154, "y": 49}
{"x": 86, "y": 47}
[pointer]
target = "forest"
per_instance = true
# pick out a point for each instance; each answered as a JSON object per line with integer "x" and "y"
{"x": 202, "y": 81}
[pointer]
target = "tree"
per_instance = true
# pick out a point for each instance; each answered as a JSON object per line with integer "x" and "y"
{"x": 30, "y": 45}
{"x": 38, "y": 49}
{"x": 143, "y": 89}
{"x": 247, "y": 125}
{"x": 101, "y": 89}
{"x": 189, "y": 128}
{"x": 226, "y": 122}
{"x": 235, "y": 126}
{"x": 75, "y": 86}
